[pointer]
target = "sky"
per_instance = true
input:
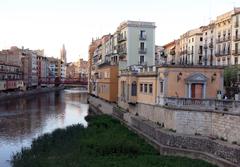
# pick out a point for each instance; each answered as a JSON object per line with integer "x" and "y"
{"x": 48, "y": 24}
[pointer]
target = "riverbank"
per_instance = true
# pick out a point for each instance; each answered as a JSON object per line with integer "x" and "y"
{"x": 19, "y": 94}
{"x": 167, "y": 140}
{"x": 104, "y": 143}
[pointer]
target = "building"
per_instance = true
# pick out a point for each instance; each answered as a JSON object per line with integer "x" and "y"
{"x": 223, "y": 38}
{"x": 107, "y": 82}
{"x": 235, "y": 37}
{"x": 29, "y": 62}
{"x": 171, "y": 50}
{"x": 136, "y": 43}
{"x": 191, "y": 47}
{"x": 159, "y": 55}
{"x": 42, "y": 68}
{"x": 158, "y": 85}
{"x": 53, "y": 69}
{"x": 209, "y": 44}
{"x": 10, "y": 77}
{"x": 83, "y": 69}
{"x": 91, "y": 65}
{"x": 197, "y": 82}
{"x": 133, "y": 43}
{"x": 137, "y": 85}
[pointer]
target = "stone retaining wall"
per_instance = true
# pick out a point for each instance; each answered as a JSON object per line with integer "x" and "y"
{"x": 206, "y": 123}
{"x": 217, "y": 148}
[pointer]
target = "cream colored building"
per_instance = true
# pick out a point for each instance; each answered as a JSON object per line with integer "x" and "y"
{"x": 136, "y": 43}
{"x": 235, "y": 37}
{"x": 191, "y": 47}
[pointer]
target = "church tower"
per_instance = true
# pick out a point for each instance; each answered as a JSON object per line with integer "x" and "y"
{"x": 63, "y": 53}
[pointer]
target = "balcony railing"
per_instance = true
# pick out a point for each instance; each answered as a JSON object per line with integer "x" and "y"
{"x": 142, "y": 51}
{"x": 205, "y": 46}
{"x": 211, "y": 45}
{"x": 236, "y": 25}
{"x": 122, "y": 51}
{"x": 121, "y": 38}
{"x": 236, "y": 38}
{"x": 223, "y": 39}
{"x": 236, "y": 52}
{"x": 142, "y": 37}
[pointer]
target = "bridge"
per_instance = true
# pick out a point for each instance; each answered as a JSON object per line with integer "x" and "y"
{"x": 68, "y": 82}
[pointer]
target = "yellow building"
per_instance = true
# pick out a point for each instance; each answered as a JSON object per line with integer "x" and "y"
{"x": 107, "y": 82}
{"x": 137, "y": 86}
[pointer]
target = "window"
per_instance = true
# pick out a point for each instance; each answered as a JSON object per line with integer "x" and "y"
{"x": 145, "y": 88}
{"x": 201, "y": 39}
{"x": 236, "y": 48}
{"x": 142, "y": 59}
{"x": 134, "y": 88}
{"x": 236, "y": 60}
{"x": 141, "y": 87}
{"x": 142, "y": 46}
{"x": 205, "y": 33}
{"x": 161, "y": 87}
{"x": 150, "y": 88}
{"x": 142, "y": 34}
{"x": 192, "y": 39}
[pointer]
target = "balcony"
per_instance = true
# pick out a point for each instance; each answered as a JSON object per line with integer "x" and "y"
{"x": 236, "y": 38}
{"x": 218, "y": 54}
{"x": 236, "y": 52}
{"x": 205, "y": 46}
{"x": 122, "y": 51}
{"x": 211, "y": 45}
{"x": 121, "y": 38}
{"x": 142, "y": 37}
{"x": 236, "y": 24}
{"x": 142, "y": 51}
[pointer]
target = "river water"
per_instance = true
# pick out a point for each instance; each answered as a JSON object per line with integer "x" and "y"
{"x": 23, "y": 119}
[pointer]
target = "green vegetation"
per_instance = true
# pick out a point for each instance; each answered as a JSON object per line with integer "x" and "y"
{"x": 231, "y": 80}
{"x": 104, "y": 143}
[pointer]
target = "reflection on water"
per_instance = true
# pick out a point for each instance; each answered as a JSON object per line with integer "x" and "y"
{"x": 26, "y": 118}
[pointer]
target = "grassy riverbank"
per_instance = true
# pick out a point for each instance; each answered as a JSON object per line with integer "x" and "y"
{"x": 105, "y": 143}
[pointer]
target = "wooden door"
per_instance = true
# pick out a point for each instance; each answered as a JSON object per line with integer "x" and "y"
{"x": 199, "y": 91}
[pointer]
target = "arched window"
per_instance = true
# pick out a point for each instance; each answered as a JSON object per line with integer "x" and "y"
{"x": 134, "y": 88}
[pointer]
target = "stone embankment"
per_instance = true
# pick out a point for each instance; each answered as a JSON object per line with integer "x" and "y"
{"x": 170, "y": 142}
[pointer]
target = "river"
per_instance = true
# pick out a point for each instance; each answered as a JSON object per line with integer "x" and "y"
{"x": 23, "y": 119}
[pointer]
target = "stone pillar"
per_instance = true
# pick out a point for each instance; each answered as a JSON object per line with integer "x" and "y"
{"x": 204, "y": 90}
{"x": 189, "y": 90}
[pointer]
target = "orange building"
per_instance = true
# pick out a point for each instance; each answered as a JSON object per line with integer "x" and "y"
{"x": 156, "y": 85}
{"x": 197, "y": 82}
{"x": 107, "y": 82}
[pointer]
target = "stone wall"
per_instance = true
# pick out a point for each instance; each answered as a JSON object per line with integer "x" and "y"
{"x": 196, "y": 143}
{"x": 215, "y": 124}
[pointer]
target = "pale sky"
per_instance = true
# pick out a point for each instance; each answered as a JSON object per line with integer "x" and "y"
{"x": 47, "y": 24}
